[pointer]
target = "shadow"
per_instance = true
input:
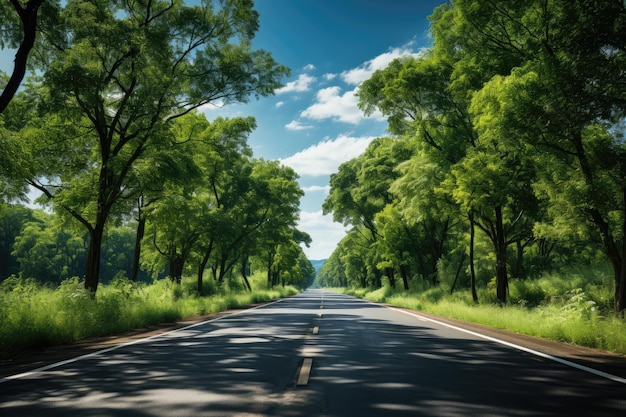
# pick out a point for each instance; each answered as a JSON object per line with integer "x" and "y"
{"x": 367, "y": 361}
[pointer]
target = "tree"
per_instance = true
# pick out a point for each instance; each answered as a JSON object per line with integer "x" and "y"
{"x": 395, "y": 245}
{"x": 20, "y": 35}
{"x": 332, "y": 273}
{"x": 425, "y": 105}
{"x": 278, "y": 195}
{"x": 564, "y": 96}
{"x": 47, "y": 250}
{"x": 428, "y": 211}
{"x": 495, "y": 189}
{"x": 12, "y": 220}
{"x": 360, "y": 189}
{"x": 124, "y": 71}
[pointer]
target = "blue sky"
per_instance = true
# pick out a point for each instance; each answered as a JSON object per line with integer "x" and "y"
{"x": 313, "y": 123}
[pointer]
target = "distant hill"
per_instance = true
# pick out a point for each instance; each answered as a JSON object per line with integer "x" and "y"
{"x": 317, "y": 264}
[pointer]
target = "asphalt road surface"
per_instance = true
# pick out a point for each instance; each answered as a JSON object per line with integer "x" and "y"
{"x": 316, "y": 354}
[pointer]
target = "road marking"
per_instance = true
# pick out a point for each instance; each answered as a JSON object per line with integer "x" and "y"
{"x": 518, "y": 347}
{"x": 316, "y": 330}
{"x": 134, "y": 342}
{"x": 305, "y": 371}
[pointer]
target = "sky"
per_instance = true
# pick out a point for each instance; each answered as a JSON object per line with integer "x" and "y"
{"x": 312, "y": 123}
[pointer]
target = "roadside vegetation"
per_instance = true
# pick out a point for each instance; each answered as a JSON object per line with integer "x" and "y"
{"x": 37, "y": 316}
{"x": 572, "y": 307}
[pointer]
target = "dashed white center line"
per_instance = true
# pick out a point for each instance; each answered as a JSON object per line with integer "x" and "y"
{"x": 305, "y": 371}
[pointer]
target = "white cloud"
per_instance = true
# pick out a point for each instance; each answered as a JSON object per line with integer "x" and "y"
{"x": 296, "y": 125}
{"x": 332, "y": 104}
{"x": 279, "y": 104}
{"x": 325, "y": 234}
{"x": 317, "y": 188}
{"x": 364, "y": 71}
{"x": 330, "y": 76}
{"x": 302, "y": 84}
{"x": 325, "y": 157}
{"x": 211, "y": 106}
{"x": 309, "y": 67}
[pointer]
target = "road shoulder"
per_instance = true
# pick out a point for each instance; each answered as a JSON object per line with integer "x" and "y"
{"x": 598, "y": 359}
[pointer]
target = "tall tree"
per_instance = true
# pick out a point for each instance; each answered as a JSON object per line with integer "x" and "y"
{"x": 125, "y": 70}
{"x": 564, "y": 96}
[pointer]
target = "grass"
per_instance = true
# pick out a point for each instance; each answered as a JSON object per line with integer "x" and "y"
{"x": 573, "y": 307}
{"x": 38, "y": 316}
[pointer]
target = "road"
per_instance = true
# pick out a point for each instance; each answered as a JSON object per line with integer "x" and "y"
{"x": 316, "y": 354}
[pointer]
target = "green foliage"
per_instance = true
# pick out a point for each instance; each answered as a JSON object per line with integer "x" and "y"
{"x": 115, "y": 77}
{"x": 574, "y": 307}
{"x": 26, "y": 322}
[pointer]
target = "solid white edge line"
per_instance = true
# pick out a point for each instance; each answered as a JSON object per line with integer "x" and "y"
{"x": 134, "y": 342}
{"x": 518, "y": 347}
{"x": 565, "y": 362}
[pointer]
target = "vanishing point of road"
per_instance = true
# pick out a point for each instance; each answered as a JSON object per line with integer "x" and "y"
{"x": 316, "y": 354}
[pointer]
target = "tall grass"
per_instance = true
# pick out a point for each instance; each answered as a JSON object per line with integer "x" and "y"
{"x": 573, "y": 307}
{"x": 37, "y": 316}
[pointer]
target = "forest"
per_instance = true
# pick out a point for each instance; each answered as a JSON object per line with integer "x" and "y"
{"x": 503, "y": 177}
{"x": 102, "y": 118}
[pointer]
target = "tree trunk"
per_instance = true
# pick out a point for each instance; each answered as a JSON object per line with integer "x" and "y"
{"x": 270, "y": 266}
{"x": 141, "y": 228}
{"x": 363, "y": 279}
{"x": 391, "y": 276}
{"x": 404, "y": 275}
{"x": 620, "y": 281}
{"x": 244, "y": 272}
{"x": 202, "y": 266}
{"x": 617, "y": 258}
{"x": 92, "y": 268}
{"x": 275, "y": 276}
{"x": 519, "y": 260}
{"x": 458, "y": 272}
{"x": 223, "y": 260}
{"x": 502, "y": 284}
{"x": 28, "y": 16}
{"x": 378, "y": 282}
{"x": 176, "y": 268}
{"x": 471, "y": 259}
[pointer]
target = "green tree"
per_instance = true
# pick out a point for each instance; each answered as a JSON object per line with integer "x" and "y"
{"x": 277, "y": 210}
{"x": 495, "y": 189}
{"x": 48, "y": 251}
{"x": 394, "y": 248}
{"x": 564, "y": 96}
{"x": 425, "y": 105}
{"x": 124, "y": 71}
{"x": 12, "y": 220}
{"x": 360, "y": 188}
{"x": 332, "y": 273}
